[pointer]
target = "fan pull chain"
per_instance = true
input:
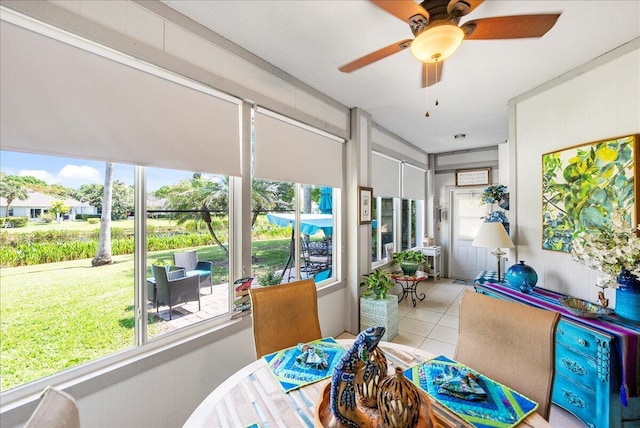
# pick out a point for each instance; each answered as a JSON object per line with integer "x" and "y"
{"x": 437, "y": 80}
{"x": 427, "y": 89}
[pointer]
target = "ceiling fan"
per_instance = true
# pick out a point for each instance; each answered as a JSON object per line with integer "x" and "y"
{"x": 434, "y": 24}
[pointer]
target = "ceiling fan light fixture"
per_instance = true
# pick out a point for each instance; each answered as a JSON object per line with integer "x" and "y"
{"x": 437, "y": 43}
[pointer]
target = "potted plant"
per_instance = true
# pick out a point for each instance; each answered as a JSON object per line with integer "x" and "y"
{"x": 410, "y": 261}
{"x": 269, "y": 278}
{"x": 377, "y": 306}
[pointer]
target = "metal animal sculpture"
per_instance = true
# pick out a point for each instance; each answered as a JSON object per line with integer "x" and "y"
{"x": 343, "y": 392}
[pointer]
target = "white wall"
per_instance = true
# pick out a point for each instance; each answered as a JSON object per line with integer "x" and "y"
{"x": 596, "y": 101}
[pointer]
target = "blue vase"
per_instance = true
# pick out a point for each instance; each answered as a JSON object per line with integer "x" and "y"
{"x": 522, "y": 276}
{"x": 628, "y": 296}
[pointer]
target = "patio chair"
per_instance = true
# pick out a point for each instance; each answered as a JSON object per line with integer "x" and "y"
{"x": 284, "y": 315}
{"x": 174, "y": 287}
{"x": 188, "y": 260}
{"x": 316, "y": 255}
{"x": 511, "y": 343}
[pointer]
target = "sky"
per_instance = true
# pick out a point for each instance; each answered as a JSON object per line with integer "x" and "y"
{"x": 73, "y": 173}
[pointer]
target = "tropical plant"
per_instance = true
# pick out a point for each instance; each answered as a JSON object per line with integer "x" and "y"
{"x": 196, "y": 199}
{"x": 609, "y": 249}
{"x": 58, "y": 208}
{"x": 11, "y": 189}
{"x": 378, "y": 284}
{"x": 411, "y": 256}
{"x": 582, "y": 186}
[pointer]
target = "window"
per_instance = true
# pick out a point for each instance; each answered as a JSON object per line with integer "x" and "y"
{"x": 276, "y": 257}
{"x": 58, "y": 311}
{"x": 187, "y": 226}
{"x": 382, "y": 231}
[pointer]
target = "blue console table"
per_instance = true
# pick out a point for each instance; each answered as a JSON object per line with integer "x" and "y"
{"x": 597, "y": 360}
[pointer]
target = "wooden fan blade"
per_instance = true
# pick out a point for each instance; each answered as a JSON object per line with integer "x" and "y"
{"x": 509, "y": 27}
{"x": 402, "y": 9}
{"x": 462, "y": 7}
{"x": 431, "y": 73}
{"x": 376, "y": 56}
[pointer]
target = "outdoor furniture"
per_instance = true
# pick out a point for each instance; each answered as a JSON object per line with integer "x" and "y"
{"x": 511, "y": 343}
{"x": 284, "y": 315}
{"x": 188, "y": 260}
{"x": 316, "y": 255}
{"x": 173, "y": 287}
{"x": 310, "y": 224}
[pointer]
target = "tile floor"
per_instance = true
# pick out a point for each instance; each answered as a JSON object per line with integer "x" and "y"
{"x": 433, "y": 326}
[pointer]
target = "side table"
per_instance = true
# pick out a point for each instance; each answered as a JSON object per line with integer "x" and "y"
{"x": 409, "y": 284}
{"x": 433, "y": 254}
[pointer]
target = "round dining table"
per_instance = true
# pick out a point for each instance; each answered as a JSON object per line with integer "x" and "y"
{"x": 253, "y": 397}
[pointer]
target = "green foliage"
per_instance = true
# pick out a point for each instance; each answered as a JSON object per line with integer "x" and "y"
{"x": 23, "y": 252}
{"x": 378, "y": 284}
{"x": 581, "y": 191}
{"x": 14, "y": 221}
{"x": 122, "y": 199}
{"x": 93, "y": 220}
{"x": 269, "y": 278}
{"x": 411, "y": 256}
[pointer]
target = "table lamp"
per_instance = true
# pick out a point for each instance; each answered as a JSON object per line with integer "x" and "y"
{"x": 493, "y": 235}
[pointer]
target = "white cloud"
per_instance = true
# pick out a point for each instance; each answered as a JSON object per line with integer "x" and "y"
{"x": 39, "y": 174}
{"x": 79, "y": 174}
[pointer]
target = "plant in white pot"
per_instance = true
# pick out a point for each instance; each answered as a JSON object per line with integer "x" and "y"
{"x": 377, "y": 306}
{"x": 410, "y": 261}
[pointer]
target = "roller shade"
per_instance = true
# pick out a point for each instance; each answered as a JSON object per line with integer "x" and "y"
{"x": 285, "y": 151}
{"x": 385, "y": 176}
{"x": 60, "y": 99}
{"x": 413, "y": 182}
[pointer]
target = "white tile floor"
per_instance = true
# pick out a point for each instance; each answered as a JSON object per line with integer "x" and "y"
{"x": 433, "y": 326}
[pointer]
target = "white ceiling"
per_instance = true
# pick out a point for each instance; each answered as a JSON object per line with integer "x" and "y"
{"x": 310, "y": 39}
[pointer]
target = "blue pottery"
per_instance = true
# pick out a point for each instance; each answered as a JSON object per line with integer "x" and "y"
{"x": 522, "y": 276}
{"x": 628, "y": 296}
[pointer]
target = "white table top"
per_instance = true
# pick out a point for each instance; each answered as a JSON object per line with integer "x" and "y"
{"x": 253, "y": 395}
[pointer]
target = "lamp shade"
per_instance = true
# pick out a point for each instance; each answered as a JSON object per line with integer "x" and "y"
{"x": 437, "y": 43}
{"x": 492, "y": 235}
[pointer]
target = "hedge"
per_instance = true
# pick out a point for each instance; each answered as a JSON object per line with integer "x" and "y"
{"x": 14, "y": 221}
{"x": 35, "y": 251}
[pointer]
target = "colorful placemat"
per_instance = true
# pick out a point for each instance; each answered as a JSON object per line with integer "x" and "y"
{"x": 306, "y": 363}
{"x": 502, "y": 407}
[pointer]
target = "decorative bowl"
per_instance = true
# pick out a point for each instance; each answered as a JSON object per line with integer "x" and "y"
{"x": 583, "y": 308}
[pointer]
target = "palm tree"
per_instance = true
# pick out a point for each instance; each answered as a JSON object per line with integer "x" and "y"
{"x": 197, "y": 198}
{"x": 12, "y": 190}
{"x": 104, "y": 240}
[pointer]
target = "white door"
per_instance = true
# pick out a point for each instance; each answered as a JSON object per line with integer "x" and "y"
{"x": 465, "y": 260}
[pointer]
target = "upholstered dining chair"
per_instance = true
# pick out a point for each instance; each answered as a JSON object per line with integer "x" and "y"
{"x": 284, "y": 315}
{"x": 56, "y": 409}
{"x": 511, "y": 343}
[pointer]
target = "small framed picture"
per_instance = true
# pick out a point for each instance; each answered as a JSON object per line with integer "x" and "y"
{"x": 365, "y": 198}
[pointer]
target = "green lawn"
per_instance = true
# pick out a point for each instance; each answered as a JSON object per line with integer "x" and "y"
{"x": 58, "y": 315}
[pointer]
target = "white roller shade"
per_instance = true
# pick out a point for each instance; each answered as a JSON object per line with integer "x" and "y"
{"x": 63, "y": 100}
{"x": 286, "y": 151}
{"x": 413, "y": 182}
{"x": 385, "y": 176}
